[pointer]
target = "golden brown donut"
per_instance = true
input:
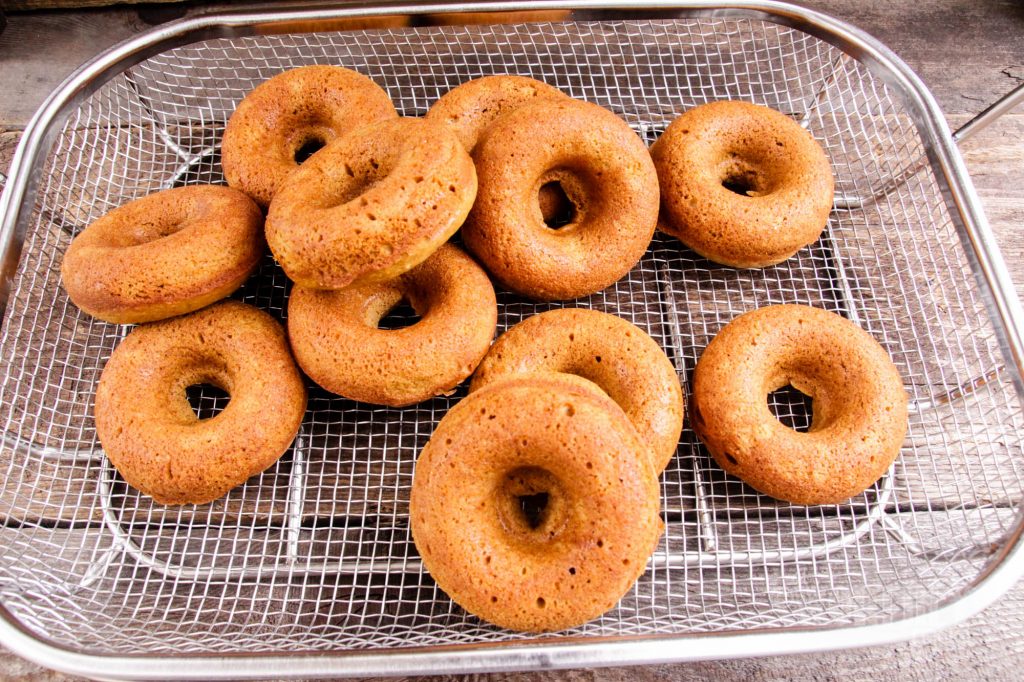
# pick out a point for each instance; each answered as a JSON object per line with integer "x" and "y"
{"x": 291, "y": 115}
{"x": 148, "y": 429}
{"x": 473, "y": 106}
{"x": 474, "y": 18}
{"x": 337, "y": 343}
{"x": 165, "y": 254}
{"x": 371, "y": 205}
{"x": 540, "y": 437}
{"x": 377, "y": 21}
{"x": 859, "y": 408}
{"x": 604, "y": 170}
{"x": 619, "y": 357}
{"x": 741, "y": 184}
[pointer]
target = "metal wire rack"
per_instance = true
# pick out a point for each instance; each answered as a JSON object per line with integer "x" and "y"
{"x": 315, "y": 553}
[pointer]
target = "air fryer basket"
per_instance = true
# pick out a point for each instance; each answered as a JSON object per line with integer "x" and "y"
{"x": 309, "y": 568}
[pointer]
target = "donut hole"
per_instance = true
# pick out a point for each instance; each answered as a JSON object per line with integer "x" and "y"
{"x": 207, "y": 400}
{"x": 399, "y": 316}
{"x": 391, "y": 308}
{"x": 745, "y": 184}
{"x": 533, "y": 507}
{"x": 792, "y": 408}
{"x": 144, "y": 232}
{"x": 529, "y": 504}
{"x": 556, "y": 207}
{"x": 744, "y": 178}
{"x": 308, "y": 148}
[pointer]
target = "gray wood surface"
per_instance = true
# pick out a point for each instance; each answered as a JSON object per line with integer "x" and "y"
{"x": 968, "y": 53}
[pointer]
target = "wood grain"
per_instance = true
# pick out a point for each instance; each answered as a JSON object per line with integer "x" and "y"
{"x": 40, "y": 49}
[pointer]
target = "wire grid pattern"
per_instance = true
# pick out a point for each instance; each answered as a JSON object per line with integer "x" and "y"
{"x": 315, "y": 553}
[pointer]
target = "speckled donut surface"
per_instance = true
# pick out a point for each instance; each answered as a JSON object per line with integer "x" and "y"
{"x": 371, "y": 205}
{"x": 337, "y": 342}
{"x": 526, "y": 436}
{"x": 150, "y": 432}
{"x": 472, "y": 18}
{"x": 165, "y": 254}
{"x": 741, "y": 184}
{"x": 616, "y": 355}
{"x": 859, "y": 405}
{"x": 472, "y": 107}
{"x": 604, "y": 170}
{"x": 310, "y": 105}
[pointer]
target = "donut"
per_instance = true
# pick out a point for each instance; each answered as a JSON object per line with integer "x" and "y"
{"x": 619, "y": 357}
{"x": 472, "y": 107}
{"x": 859, "y": 406}
{"x": 604, "y": 170}
{"x": 148, "y": 429}
{"x": 336, "y": 340}
{"x": 321, "y": 25}
{"x": 477, "y": 18}
{"x": 741, "y": 184}
{"x": 371, "y": 205}
{"x": 571, "y": 453}
{"x": 285, "y": 119}
{"x": 165, "y": 254}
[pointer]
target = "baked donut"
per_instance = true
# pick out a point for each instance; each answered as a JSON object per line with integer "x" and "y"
{"x": 366, "y": 23}
{"x": 371, "y": 205}
{"x": 287, "y": 118}
{"x": 859, "y": 406}
{"x": 148, "y": 429}
{"x": 541, "y": 440}
{"x": 604, "y": 170}
{"x": 473, "y": 106}
{"x": 336, "y": 341}
{"x": 741, "y": 184}
{"x": 619, "y": 357}
{"x": 475, "y": 18}
{"x": 165, "y": 254}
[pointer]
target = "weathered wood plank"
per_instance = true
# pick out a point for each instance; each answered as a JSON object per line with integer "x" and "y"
{"x": 34, "y": 5}
{"x": 980, "y": 38}
{"x": 40, "y": 50}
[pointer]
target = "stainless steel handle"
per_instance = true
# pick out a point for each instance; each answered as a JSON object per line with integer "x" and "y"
{"x": 982, "y": 120}
{"x": 990, "y": 114}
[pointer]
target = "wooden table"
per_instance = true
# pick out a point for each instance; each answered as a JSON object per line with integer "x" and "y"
{"x": 968, "y": 53}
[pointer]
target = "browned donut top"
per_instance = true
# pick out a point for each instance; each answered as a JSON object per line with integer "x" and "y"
{"x": 337, "y": 342}
{"x": 148, "y": 429}
{"x": 742, "y": 184}
{"x": 371, "y": 205}
{"x": 165, "y": 254}
{"x": 606, "y": 173}
{"x": 527, "y": 436}
{"x": 300, "y": 109}
{"x": 519, "y": 17}
{"x": 473, "y": 106}
{"x": 619, "y": 357}
{"x": 859, "y": 404}
{"x": 365, "y": 23}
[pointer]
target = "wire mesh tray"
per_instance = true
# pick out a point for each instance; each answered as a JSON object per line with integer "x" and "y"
{"x": 314, "y": 556}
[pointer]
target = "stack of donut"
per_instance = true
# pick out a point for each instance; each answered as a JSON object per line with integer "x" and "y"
{"x": 581, "y": 410}
{"x": 535, "y": 503}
